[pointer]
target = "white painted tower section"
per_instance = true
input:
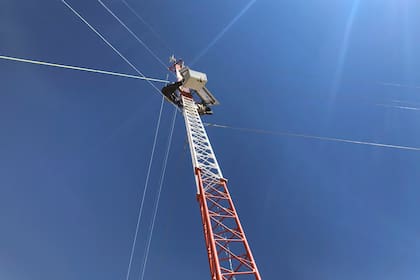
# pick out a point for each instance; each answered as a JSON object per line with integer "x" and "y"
{"x": 202, "y": 154}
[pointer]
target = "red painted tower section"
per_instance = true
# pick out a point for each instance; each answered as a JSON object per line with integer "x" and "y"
{"x": 228, "y": 250}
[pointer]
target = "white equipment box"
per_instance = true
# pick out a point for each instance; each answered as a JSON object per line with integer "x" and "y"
{"x": 196, "y": 81}
{"x": 193, "y": 79}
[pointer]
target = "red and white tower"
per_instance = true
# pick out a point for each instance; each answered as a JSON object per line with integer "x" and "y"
{"x": 229, "y": 254}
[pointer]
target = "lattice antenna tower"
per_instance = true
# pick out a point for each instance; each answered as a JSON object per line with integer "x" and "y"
{"x": 229, "y": 254}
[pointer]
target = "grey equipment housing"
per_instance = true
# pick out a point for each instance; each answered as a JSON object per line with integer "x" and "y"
{"x": 196, "y": 81}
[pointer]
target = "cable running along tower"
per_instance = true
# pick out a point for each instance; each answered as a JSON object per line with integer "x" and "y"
{"x": 228, "y": 251}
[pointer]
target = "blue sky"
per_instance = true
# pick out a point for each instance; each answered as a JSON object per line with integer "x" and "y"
{"x": 75, "y": 146}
